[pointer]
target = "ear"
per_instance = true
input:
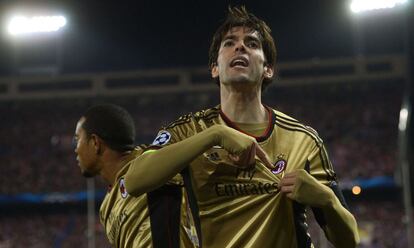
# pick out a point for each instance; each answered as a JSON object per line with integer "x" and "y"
{"x": 268, "y": 72}
{"x": 214, "y": 71}
{"x": 97, "y": 144}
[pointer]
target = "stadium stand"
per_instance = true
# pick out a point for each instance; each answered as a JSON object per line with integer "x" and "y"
{"x": 358, "y": 122}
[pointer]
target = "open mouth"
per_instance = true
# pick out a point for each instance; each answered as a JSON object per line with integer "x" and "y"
{"x": 239, "y": 61}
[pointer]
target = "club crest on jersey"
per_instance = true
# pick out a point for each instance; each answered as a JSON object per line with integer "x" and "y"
{"x": 162, "y": 138}
{"x": 122, "y": 188}
{"x": 280, "y": 165}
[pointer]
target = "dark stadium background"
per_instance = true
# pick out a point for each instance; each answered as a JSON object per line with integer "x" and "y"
{"x": 103, "y": 35}
{"x": 358, "y": 120}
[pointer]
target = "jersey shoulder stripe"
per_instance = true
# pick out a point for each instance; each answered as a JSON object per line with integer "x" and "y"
{"x": 142, "y": 147}
{"x": 326, "y": 164}
{"x": 207, "y": 113}
{"x": 285, "y": 117}
{"x": 182, "y": 120}
{"x": 203, "y": 115}
{"x": 286, "y": 122}
{"x": 299, "y": 129}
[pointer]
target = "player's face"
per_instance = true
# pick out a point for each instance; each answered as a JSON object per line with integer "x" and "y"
{"x": 241, "y": 58}
{"x": 85, "y": 151}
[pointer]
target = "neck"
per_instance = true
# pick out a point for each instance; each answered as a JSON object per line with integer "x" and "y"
{"x": 242, "y": 105}
{"x": 113, "y": 162}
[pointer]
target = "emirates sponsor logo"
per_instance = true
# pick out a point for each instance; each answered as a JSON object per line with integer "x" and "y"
{"x": 243, "y": 189}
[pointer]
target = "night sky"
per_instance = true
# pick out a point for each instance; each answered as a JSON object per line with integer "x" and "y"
{"x": 126, "y": 34}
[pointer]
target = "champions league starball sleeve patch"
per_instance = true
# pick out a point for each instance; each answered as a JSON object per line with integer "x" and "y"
{"x": 162, "y": 138}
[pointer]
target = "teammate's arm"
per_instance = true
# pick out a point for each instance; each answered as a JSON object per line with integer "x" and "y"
{"x": 155, "y": 167}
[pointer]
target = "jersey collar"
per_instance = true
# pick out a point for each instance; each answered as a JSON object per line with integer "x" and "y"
{"x": 267, "y": 132}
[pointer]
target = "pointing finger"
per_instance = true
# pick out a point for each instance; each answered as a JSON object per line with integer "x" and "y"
{"x": 261, "y": 154}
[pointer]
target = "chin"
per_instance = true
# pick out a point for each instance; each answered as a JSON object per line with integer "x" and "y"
{"x": 241, "y": 79}
{"x": 87, "y": 174}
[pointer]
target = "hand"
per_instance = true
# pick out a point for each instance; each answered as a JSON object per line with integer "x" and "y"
{"x": 302, "y": 187}
{"x": 242, "y": 148}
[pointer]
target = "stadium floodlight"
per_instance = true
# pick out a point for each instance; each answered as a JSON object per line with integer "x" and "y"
{"x": 358, "y": 6}
{"x": 356, "y": 190}
{"x": 402, "y": 125}
{"x": 36, "y": 24}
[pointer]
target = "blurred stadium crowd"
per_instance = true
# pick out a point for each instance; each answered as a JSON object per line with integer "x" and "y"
{"x": 358, "y": 123}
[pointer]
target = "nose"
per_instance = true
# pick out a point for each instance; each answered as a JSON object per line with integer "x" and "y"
{"x": 240, "y": 47}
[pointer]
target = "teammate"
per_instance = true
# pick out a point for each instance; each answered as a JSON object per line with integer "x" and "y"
{"x": 248, "y": 197}
{"x": 105, "y": 137}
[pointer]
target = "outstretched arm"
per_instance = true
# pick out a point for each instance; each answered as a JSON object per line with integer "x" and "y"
{"x": 155, "y": 167}
{"x": 341, "y": 227}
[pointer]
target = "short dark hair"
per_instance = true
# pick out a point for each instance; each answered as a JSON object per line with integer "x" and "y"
{"x": 111, "y": 123}
{"x": 240, "y": 17}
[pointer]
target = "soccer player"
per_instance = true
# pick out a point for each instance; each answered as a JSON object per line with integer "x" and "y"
{"x": 247, "y": 197}
{"x": 105, "y": 137}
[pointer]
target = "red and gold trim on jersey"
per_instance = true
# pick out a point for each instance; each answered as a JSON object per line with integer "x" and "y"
{"x": 270, "y": 126}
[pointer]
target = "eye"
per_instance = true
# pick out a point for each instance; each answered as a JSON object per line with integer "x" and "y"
{"x": 75, "y": 141}
{"x": 228, "y": 43}
{"x": 253, "y": 44}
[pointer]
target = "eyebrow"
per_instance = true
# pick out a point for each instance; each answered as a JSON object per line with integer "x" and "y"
{"x": 229, "y": 37}
{"x": 248, "y": 37}
{"x": 251, "y": 37}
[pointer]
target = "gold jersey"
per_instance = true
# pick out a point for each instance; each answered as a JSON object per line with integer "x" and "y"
{"x": 155, "y": 219}
{"x": 244, "y": 208}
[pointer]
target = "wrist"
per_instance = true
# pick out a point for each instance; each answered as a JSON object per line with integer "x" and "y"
{"x": 330, "y": 199}
{"x": 213, "y": 135}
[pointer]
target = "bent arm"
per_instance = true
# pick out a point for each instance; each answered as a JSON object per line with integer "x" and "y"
{"x": 155, "y": 167}
{"x": 341, "y": 227}
{"x": 338, "y": 223}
